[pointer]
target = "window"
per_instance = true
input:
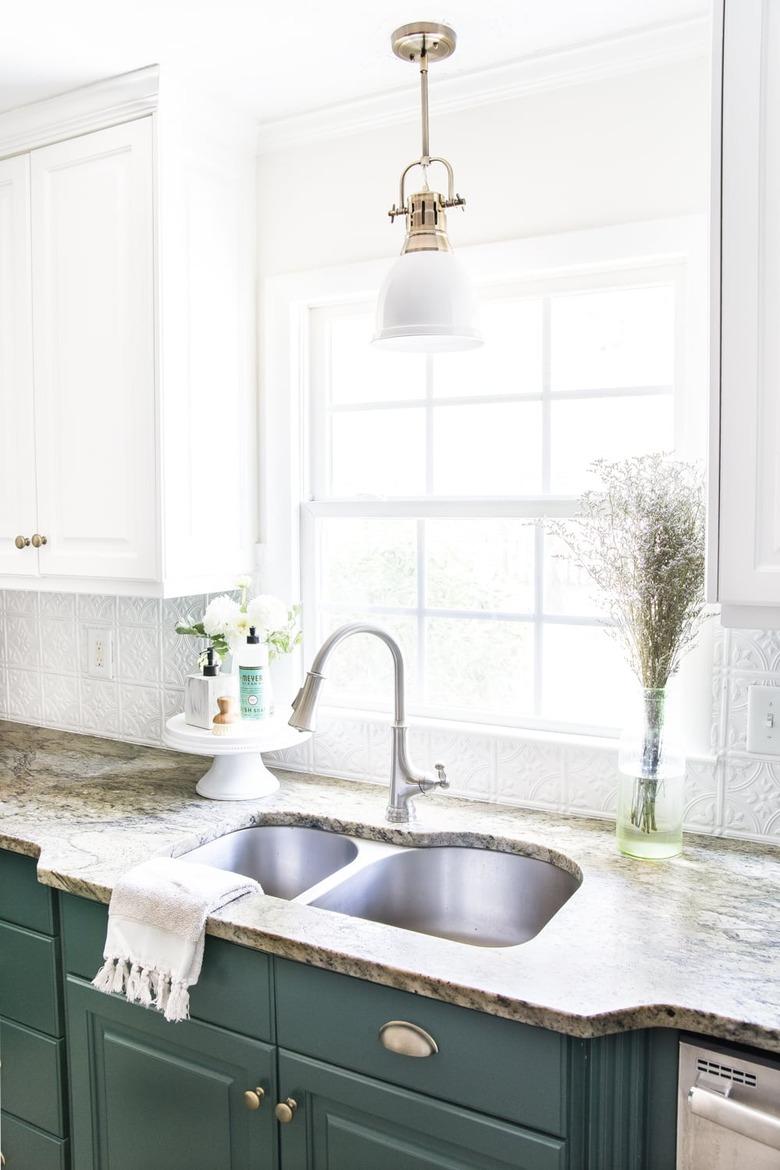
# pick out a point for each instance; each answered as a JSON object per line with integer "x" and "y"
{"x": 429, "y": 481}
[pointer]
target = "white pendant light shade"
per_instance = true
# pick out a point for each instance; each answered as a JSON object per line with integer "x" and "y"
{"x": 426, "y": 305}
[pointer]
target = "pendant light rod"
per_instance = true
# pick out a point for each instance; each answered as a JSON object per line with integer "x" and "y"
{"x": 424, "y": 42}
{"x": 426, "y": 146}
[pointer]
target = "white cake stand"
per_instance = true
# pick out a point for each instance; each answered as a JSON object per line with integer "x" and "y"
{"x": 238, "y": 771}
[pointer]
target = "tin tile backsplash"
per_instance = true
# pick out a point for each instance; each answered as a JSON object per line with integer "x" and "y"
{"x": 44, "y": 678}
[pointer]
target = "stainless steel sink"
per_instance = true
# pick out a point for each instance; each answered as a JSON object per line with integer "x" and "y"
{"x": 470, "y": 895}
{"x": 474, "y": 896}
{"x": 284, "y": 859}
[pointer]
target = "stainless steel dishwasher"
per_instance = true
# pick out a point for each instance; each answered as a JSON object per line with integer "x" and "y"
{"x": 728, "y": 1111}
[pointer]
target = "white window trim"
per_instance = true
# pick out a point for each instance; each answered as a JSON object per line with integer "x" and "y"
{"x": 288, "y": 300}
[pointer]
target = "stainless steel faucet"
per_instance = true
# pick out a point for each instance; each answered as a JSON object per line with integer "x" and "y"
{"x": 405, "y": 781}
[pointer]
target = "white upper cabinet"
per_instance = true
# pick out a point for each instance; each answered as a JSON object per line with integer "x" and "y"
{"x": 744, "y": 571}
{"x": 127, "y": 324}
{"x": 93, "y": 308}
{"x": 17, "y": 414}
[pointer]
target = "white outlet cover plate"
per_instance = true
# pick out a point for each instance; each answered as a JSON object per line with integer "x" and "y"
{"x": 100, "y": 652}
{"x": 763, "y": 726}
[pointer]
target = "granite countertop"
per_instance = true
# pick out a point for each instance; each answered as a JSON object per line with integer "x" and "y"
{"x": 692, "y": 943}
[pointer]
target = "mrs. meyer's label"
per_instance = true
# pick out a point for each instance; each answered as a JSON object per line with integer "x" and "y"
{"x": 253, "y": 694}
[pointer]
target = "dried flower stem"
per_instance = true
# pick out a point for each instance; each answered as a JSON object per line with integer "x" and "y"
{"x": 641, "y": 541}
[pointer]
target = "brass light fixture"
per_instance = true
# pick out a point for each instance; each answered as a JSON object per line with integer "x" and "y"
{"x": 426, "y": 303}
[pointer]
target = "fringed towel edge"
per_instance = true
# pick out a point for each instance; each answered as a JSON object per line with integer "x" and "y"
{"x": 147, "y": 986}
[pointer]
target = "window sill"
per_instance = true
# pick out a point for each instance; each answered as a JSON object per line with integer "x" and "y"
{"x": 497, "y": 731}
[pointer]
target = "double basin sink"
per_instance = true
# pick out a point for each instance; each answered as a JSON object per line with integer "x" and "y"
{"x": 471, "y": 895}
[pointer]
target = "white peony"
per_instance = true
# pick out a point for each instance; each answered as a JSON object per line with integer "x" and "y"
{"x": 240, "y": 627}
{"x": 221, "y": 613}
{"x": 244, "y": 581}
{"x": 268, "y": 614}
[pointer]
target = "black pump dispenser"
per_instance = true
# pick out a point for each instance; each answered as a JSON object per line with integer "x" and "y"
{"x": 252, "y": 637}
{"x": 211, "y": 668}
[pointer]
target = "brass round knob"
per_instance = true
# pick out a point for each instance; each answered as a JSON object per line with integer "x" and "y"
{"x": 38, "y": 541}
{"x": 22, "y": 541}
{"x": 253, "y": 1098}
{"x": 285, "y": 1111}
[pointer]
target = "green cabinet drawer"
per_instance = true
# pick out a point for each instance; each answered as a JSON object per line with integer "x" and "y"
{"x": 235, "y": 989}
{"x": 345, "y": 1121}
{"x": 23, "y": 900}
{"x": 159, "y": 1096}
{"x": 29, "y": 992}
{"x": 27, "y": 1148}
{"x": 31, "y": 1077}
{"x": 488, "y": 1064}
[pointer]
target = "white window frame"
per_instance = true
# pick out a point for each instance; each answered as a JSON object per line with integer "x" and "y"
{"x": 287, "y": 509}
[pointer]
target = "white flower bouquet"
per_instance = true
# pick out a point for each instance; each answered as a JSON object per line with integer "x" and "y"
{"x": 227, "y": 619}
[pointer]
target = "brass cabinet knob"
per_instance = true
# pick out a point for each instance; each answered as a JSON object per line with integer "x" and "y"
{"x": 21, "y": 542}
{"x": 407, "y": 1039}
{"x": 253, "y": 1098}
{"x": 285, "y": 1111}
{"x": 38, "y": 541}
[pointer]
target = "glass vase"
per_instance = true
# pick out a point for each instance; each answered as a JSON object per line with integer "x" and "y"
{"x": 651, "y": 779}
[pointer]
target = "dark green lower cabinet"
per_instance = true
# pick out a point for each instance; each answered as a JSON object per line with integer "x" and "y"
{"x": 26, "y": 1147}
{"x": 345, "y": 1121}
{"x": 32, "y": 1078}
{"x": 164, "y": 1096}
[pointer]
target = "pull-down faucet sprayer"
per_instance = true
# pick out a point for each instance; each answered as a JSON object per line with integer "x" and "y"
{"x": 405, "y": 781}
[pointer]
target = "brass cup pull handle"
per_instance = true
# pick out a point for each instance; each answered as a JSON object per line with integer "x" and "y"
{"x": 38, "y": 541}
{"x": 407, "y": 1039}
{"x": 22, "y": 542}
{"x": 253, "y": 1098}
{"x": 285, "y": 1111}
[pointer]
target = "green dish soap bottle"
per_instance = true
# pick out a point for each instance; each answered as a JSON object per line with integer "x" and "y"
{"x": 252, "y": 670}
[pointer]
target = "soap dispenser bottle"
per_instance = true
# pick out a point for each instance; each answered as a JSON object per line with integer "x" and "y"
{"x": 201, "y": 691}
{"x": 253, "y": 672}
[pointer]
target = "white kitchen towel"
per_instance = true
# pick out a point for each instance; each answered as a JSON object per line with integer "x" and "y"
{"x": 157, "y": 928}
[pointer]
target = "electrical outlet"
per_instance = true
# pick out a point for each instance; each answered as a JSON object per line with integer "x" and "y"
{"x": 100, "y": 652}
{"x": 763, "y": 727}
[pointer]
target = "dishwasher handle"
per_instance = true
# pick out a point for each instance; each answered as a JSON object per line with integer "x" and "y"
{"x": 742, "y": 1119}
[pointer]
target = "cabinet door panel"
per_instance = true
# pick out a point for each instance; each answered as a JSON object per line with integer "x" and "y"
{"x": 17, "y": 441}
{"x": 163, "y": 1096}
{"x": 23, "y": 900}
{"x": 29, "y": 979}
{"x": 347, "y": 1122}
{"x": 93, "y": 312}
{"x": 28, "y": 1148}
{"x": 31, "y": 1077}
{"x": 749, "y": 502}
{"x": 517, "y": 1072}
{"x": 235, "y": 988}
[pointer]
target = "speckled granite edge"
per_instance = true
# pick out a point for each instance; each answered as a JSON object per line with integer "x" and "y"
{"x": 691, "y": 944}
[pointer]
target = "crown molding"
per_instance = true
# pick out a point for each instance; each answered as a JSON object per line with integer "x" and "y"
{"x": 104, "y": 103}
{"x": 594, "y": 61}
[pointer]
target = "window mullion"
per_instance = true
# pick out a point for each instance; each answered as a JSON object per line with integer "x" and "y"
{"x": 539, "y": 531}
{"x": 422, "y": 571}
{"x": 429, "y": 455}
{"x": 422, "y": 589}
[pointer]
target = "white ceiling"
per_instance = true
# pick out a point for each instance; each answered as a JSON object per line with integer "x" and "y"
{"x": 282, "y": 59}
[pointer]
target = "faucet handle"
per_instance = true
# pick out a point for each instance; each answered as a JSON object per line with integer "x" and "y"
{"x": 441, "y": 776}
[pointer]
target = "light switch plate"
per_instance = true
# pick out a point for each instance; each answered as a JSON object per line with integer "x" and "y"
{"x": 763, "y": 727}
{"x": 100, "y": 652}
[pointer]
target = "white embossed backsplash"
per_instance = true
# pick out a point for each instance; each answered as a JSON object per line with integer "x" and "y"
{"x": 44, "y": 679}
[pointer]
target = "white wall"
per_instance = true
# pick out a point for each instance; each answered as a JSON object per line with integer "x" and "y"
{"x": 621, "y": 149}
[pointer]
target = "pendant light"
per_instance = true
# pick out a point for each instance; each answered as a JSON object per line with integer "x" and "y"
{"x": 426, "y": 304}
